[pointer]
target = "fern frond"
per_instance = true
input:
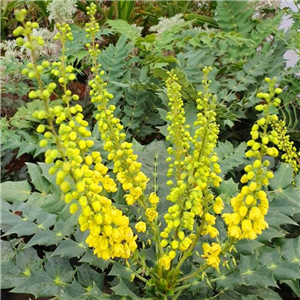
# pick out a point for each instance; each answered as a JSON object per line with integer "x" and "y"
{"x": 234, "y": 16}
{"x": 124, "y": 28}
{"x": 114, "y": 61}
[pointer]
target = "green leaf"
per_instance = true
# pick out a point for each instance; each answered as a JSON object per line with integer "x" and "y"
{"x": 87, "y": 276}
{"x": 7, "y": 252}
{"x": 269, "y": 234}
{"x": 59, "y": 268}
{"x": 73, "y": 291}
{"x": 12, "y": 191}
{"x": 229, "y": 156}
{"x": 287, "y": 271}
{"x": 247, "y": 246}
{"x": 69, "y": 248}
{"x": 282, "y": 177}
{"x": 23, "y": 229}
{"x": 11, "y": 276}
{"x": 287, "y": 201}
{"x": 9, "y": 218}
{"x": 92, "y": 259}
{"x": 122, "y": 290}
{"x": 290, "y": 250}
{"x": 234, "y": 16}
{"x": 38, "y": 284}
{"x": 124, "y": 28}
{"x": 294, "y": 285}
{"x": 120, "y": 271}
{"x": 259, "y": 276}
{"x": 229, "y": 281}
{"x": 276, "y": 218}
{"x": 228, "y": 188}
{"x": 38, "y": 180}
{"x": 26, "y": 147}
{"x": 44, "y": 237}
{"x": 27, "y": 259}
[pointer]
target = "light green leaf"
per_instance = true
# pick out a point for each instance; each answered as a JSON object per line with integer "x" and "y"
{"x": 12, "y": 191}
{"x": 124, "y": 28}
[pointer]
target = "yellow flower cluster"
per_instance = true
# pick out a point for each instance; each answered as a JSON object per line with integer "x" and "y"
{"x": 126, "y": 167}
{"x": 290, "y": 156}
{"x": 211, "y": 254}
{"x": 80, "y": 172}
{"x": 195, "y": 173}
{"x": 251, "y": 204}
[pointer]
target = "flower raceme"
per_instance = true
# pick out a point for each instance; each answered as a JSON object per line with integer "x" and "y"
{"x": 80, "y": 173}
{"x": 251, "y": 205}
{"x": 193, "y": 167}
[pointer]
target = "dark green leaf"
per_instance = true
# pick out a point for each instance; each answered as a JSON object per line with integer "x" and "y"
{"x": 44, "y": 237}
{"x": 230, "y": 281}
{"x": 11, "y": 276}
{"x": 86, "y": 277}
{"x": 69, "y": 248}
{"x": 92, "y": 259}
{"x": 59, "y": 268}
{"x": 282, "y": 178}
{"x": 122, "y": 290}
{"x": 38, "y": 284}
{"x": 38, "y": 180}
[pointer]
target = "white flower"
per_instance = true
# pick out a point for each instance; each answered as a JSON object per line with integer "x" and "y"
{"x": 165, "y": 24}
{"x": 62, "y": 11}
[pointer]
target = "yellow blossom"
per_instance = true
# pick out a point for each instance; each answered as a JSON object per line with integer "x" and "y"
{"x": 140, "y": 226}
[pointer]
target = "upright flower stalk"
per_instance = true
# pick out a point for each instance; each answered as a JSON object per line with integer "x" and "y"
{"x": 250, "y": 205}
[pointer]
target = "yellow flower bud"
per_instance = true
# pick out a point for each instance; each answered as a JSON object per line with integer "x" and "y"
{"x": 73, "y": 208}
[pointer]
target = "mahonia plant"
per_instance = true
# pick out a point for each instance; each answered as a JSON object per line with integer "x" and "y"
{"x": 87, "y": 185}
